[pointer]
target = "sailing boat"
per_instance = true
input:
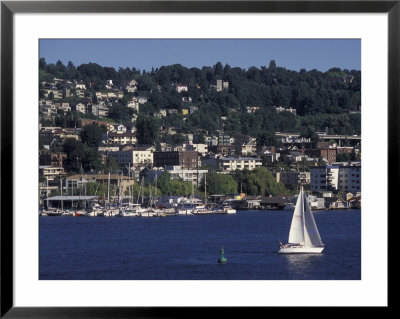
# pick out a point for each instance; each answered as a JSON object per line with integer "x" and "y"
{"x": 304, "y": 237}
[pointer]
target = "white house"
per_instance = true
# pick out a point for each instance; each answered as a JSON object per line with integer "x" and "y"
{"x": 80, "y": 86}
{"x": 181, "y": 88}
{"x": 80, "y": 107}
{"x": 121, "y": 128}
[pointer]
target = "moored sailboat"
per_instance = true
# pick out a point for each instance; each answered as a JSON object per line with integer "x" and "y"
{"x": 304, "y": 236}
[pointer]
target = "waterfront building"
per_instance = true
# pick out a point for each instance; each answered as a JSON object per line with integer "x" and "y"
{"x": 116, "y": 180}
{"x": 336, "y": 177}
{"x": 350, "y": 177}
{"x": 287, "y": 177}
{"x": 187, "y": 175}
{"x": 324, "y": 178}
{"x": 51, "y": 172}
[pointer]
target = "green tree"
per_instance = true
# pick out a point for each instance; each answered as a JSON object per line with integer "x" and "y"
{"x": 261, "y": 181}
{"x": 163, "y": 183}
{"x": 220, "y": 184}
{"x": 344, "y": 157}
{"x": 309, "y": 132}
{"x": 80, "y": 156}
{"x": 146, "y": 130}
{"x": 112, "y": 166}
{"x": 92, "y": 134}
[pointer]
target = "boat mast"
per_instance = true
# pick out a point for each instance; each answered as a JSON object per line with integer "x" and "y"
{"x": 102, "y": 177}
{"x": 205, "y": 188}
{"x": 108, "y": 190}
{"x": 61, "y": 192}
{"x": 47, "y": 192}
{"x": 72, "y": 195}
{"x": 119, "y": 191}
{"x": 129, "y": 181}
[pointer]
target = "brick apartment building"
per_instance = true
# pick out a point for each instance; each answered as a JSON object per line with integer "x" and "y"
{"x": 184, "y": 159}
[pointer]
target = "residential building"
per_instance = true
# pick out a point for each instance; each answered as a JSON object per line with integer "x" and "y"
{"x": 350, "y": 177}
{"x": 324, "y": 178}
{"x": 66, "y": 93}
{"x": 52, "y": 159}
{"x": 121, "y": 138}
{"x": 221, "y": 85}
{"x": 225, "y": 150}
{"x": 172, "y": 111}
{"x": 324, "y": 150}
{"x": 193, "y": 109}
{"x": 238, "y": 163}
{"x": 181, "y": 88}
{"x": 130, "y": 86}
{"x": 200, "y": 148}
{"x": 249, "y": 148}
{"x": 80, "y": 107}
{"x": 287, "y": 177}
{"x": 337, "y": 177}
{"x": 108, "y": 148}
{"x": 80, "y": 86}
{"x": 252, "y": 109}
{"x": 109, "y": 84}
{"x": 186, "y": 99}
{"x": 142, "y": 99}
{"x": 177, "y": 172}
{"x": 304, "y": 178}
{"x": 100, "y": 110}
{"x": 52, "y": 172}
{"x": 184, "y": 159}
{"x": 134, "y": 104}
{"x": 121, "y": 128}
{"x": 280, "y": 109}
{"x": 133, "y": 157}
{"x": 187, "y": 175}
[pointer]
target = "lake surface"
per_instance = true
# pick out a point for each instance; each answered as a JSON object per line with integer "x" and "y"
{"x": 187, "y": 247}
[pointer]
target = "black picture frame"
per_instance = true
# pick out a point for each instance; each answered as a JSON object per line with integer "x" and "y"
{"x": 9, "y": 8}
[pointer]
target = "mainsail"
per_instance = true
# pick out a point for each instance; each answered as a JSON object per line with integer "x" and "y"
{"x": 296, "y": 233}
{"x": 303, "y": 229}
{"x": 311, "y": 234}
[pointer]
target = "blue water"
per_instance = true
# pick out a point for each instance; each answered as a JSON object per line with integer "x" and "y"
{"x": 187, "y": 247}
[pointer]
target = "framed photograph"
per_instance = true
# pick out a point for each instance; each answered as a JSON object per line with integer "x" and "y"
{"x": 248, "y": 112}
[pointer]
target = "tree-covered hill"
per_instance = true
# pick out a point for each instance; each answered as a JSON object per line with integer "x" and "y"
{"x": 322, "y": 100}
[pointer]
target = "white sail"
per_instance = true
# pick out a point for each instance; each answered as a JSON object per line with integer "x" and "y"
{"x": 311, "y": 234}
{"x": 296, "y": 233}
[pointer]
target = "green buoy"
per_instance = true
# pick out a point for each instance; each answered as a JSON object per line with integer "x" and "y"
{"x": 222, "y": 259}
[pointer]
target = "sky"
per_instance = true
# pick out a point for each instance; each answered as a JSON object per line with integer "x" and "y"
{"x": 143, "y": 54}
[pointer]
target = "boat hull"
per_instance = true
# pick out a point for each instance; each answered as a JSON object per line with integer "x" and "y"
{"x": 301, "y": 250}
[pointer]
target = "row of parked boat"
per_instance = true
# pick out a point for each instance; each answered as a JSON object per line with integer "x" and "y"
{"x": 136, "y": 210}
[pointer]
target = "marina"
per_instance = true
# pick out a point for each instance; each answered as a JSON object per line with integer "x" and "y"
{"x": 185, "y": 206}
